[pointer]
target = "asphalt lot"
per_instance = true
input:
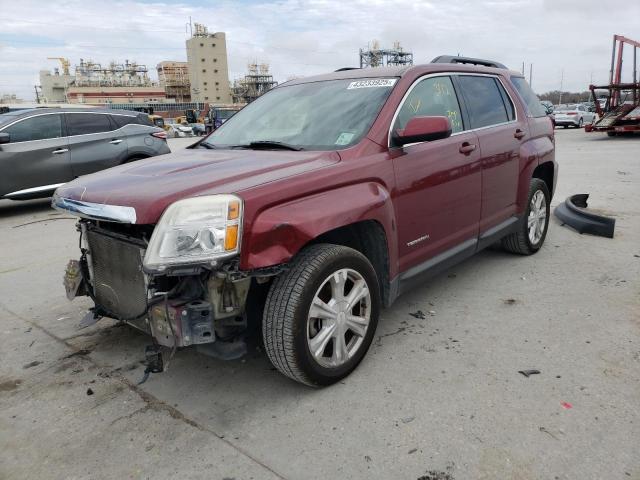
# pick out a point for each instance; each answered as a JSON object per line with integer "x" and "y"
{"x": 435, "y": 399}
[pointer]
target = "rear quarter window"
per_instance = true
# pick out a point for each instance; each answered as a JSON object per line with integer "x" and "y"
{"x": 531, "y": 100}
{"x": 122, "y": 120}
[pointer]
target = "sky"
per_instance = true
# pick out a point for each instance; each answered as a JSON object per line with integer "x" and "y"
{"x": 563, "y": 39}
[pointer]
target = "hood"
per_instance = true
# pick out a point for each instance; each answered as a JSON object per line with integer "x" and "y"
{"x": 151, "y": 185}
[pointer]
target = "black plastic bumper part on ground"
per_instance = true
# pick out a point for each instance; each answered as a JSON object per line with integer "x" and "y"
{"x": 572, "y": 213}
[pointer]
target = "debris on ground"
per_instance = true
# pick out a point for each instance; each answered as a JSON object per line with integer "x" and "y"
{"x": 35, "y": 363}
{"x": 573, "y": 213}
{"x": 544, "y": 430}
{"x": 79, "y": 353}
{"x": 413, "y": 450}
{"x": 566, "y": 405}
{"x": 510, "y": 301}
{"x": 89, "y": 391}
{"x": 528, "y": 373}
{"x": 419, "y": 314}
{"x": 436, "y": 475}
{"x": 408, "y": 419}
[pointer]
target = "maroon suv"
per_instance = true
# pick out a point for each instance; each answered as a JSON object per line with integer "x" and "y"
{"x": 312, "y": 208}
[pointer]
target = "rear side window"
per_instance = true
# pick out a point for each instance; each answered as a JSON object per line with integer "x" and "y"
{"x": 484, "y": 100}
{"x": 84, "y": 123}
{"x": 531, "y": 100}
{"x": 41, "y": 127}
{"x": 434, "y": 96}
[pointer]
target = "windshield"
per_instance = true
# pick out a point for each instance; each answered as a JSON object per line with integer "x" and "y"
{"x": 326, "y": 115}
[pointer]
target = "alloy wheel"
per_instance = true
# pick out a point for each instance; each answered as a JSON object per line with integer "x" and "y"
{"x": 339, "y": 318}
{"x": 537, "y": 216}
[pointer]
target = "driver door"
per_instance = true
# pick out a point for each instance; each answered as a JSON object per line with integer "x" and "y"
{"x": 438, "y": 182}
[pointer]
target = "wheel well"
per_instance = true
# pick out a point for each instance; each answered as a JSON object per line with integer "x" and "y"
{"x": 545, "y": 172}
{"x": 367, "y": 237}
{"x": 138, "y": 156}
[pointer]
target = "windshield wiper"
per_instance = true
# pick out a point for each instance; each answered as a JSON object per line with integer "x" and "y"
{"x": 207, "y": 145}
{"x": 269, "y": 144}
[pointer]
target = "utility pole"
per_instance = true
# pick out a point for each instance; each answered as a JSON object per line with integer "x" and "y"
{"x": 35, "y": 87}
{"x": 561, "y": 83}
{"x": 523, "y": 68}
{"x": 530, "y": 74}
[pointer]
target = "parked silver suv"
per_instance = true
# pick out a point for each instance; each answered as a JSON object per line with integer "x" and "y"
{"x": 43, "y": 148}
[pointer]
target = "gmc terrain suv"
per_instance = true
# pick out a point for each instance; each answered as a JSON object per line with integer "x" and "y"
{"x": 43, "y": 148}
{"x": 312, "y": 208}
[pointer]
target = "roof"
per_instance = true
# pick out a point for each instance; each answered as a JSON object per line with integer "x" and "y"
{"x": 29, "y": 111}
{"x": 386, "y": 72}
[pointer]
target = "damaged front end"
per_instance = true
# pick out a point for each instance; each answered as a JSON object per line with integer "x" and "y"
{"x": 178, "y": 281}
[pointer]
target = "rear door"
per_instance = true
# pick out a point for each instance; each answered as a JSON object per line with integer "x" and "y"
{"x": 492, "y": 115}
{"x": 95, "y": 142}
{"x": 37, "y": 157}
{"x": 437, "y": 183}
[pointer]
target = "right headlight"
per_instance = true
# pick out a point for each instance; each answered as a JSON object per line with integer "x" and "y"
{"x": 194, "y": 231}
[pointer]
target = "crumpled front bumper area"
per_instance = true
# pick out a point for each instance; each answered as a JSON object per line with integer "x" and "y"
{"x": 196, "y": 308}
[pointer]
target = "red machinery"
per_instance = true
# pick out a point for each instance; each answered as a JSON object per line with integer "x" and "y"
{"x": 620, "y": 114}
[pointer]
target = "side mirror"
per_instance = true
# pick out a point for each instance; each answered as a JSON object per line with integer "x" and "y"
{"x": 4, "y": 138}
{"x": 422, "y": 129}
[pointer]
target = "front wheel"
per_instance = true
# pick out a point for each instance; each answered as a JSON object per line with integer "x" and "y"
{"x": 533, "y": 226}
{"x": 321, "y": 314}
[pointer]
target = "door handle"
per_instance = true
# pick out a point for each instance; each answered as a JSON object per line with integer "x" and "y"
{"x": 519, "y": 134}
{"x": 467, "y": 148}
{"x": 60, "y": 150}
{"x": 115, "y": 141}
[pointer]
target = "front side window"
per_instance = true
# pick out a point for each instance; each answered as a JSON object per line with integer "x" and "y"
{"x": 84, "y": 123}
{"x": 41, "y": 127}
{"x": 535, "y": 108}
{"x": 432, "y": 97}
{"x": 326, "y": 115}
{"x": 484, "y": 101}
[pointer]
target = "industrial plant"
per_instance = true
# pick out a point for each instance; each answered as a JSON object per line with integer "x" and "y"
{"x": 374, "y": 56}
{"x": 200, "y": 81}
{"x": 197, "y": 84}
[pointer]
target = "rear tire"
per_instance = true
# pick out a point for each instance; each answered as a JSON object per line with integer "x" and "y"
{"x": 534, "y": 224}
{"x": 321, "y": 314}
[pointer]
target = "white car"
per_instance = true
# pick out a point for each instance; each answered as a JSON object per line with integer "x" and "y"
{"x": 176, "y": 130}
{"x": 574, "y": 115}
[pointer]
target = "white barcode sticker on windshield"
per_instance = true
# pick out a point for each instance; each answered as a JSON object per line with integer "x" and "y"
{"x": 372, "y": 83}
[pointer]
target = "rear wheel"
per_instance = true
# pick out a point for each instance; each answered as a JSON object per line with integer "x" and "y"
{"x": 532, "y": 230}
{"x": 320, "y": 316}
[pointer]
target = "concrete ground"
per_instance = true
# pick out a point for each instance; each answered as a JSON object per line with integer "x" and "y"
{"x": 435, "y": 398}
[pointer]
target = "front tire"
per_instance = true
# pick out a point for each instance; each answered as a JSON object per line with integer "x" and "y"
{"x": 321, "y": 315}
{"x": 532, "y": 230}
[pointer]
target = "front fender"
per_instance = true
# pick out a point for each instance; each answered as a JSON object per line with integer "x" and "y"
{"x": 279, "y": 232}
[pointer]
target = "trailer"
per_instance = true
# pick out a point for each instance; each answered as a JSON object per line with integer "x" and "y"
{"x": 621, "y": 110}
